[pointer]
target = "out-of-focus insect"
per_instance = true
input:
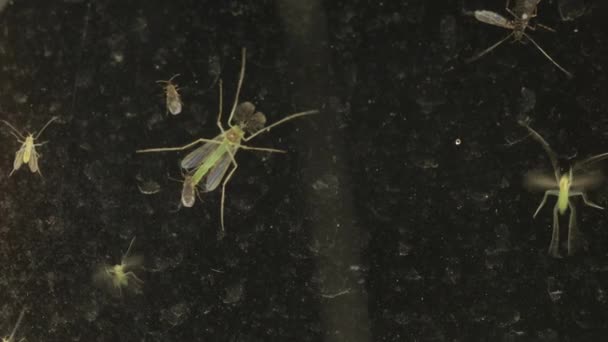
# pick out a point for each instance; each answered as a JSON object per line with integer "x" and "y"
{"x": 211, "y": 161}
{"x": 11, "y": 337}
{"x": 522, "y": 12}
{"x": 27, "y": 152}
{"x": 116, "y": 277}
{"x": 575, "y": 182}
{"x": 173, "y": 100}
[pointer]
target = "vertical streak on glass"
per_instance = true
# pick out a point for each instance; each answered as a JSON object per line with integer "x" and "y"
{"x": 335, "y": 239}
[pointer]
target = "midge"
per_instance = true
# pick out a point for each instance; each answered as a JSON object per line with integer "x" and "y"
{"x": 27, "y": 152}
{"x": 564, "y": 186}
{"x": 207, "y": 166}
{"x": 173, "y": 100}
{"x": 116, "y": 277}
{"x": 11, "y": 337}
{"x": 522, "y": 12}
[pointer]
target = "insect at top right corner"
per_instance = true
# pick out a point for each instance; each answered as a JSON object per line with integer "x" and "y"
{"x": 581, "y": 177}
{"x": 523, "y": 11}
{"x": 208, "y": 166}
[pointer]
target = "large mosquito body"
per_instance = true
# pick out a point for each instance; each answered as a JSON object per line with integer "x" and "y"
{"x": 523, "y": 11}
{"x": 564, "y": 186}
{"x": 207, "y": 166}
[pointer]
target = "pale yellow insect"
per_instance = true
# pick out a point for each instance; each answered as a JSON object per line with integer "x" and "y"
{"x": 116, "y": 277}
{"x": 11, "y": 337}
{"x": 27, "y": 152}
{"x": 173, "y": 100}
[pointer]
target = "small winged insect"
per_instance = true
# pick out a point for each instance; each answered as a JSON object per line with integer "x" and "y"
{"x": 11, "y": 337}
{"x": 579, "y": 178}
{"x": 116, "y": 277}
{"x": 172, "y": 98}
{"x": 27, "y": 153}
{"x": 207, "y": 166}
{"x": 522, "y": 12}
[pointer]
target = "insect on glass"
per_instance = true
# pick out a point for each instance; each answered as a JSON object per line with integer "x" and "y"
{"x": 116, "y": 277}
{"x": 522, "y": 12}
{"x": 213, "y": 163}
{"x": 27, "y": 153}
{"x": 173, "y": 100}
{"x": 579, "y": 178}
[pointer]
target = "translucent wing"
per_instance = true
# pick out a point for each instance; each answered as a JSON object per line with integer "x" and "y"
{"x": 493, "y": 18}
{"x": 18, "y": 159}
{"x": 196, "y": 157}
{"x": 33, "y": 163}
{"x": 587, "y": 180}
{"x": 538, "y": 180}
{"x": 216, "y": 174}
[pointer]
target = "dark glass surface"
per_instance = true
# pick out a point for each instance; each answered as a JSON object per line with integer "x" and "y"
{"x": 398, "y": 213}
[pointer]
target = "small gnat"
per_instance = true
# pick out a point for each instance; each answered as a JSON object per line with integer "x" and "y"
{"x": 27, "y": 153}
{"x": 172, "y": 98}
{"x": 115, "y": 278}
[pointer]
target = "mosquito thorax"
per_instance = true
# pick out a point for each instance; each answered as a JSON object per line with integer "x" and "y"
{"x": 235, "y": 134}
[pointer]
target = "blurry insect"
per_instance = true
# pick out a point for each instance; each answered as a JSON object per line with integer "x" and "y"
{"x": 27, "y": 152}
{"x": 523, "y": 12}
{"x": 116, "y": 277}
{"x": 11, "y": 337}
{"x": 564, "y": 186}
{"x": 173, "y": 100}
{"x": 212, "y": 160}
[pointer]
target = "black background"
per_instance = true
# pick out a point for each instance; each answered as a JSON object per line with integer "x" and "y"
{"x": 376, "y": 226}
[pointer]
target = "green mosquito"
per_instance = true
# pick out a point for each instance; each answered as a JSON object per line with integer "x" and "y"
{"x": 207, "y": 166}
{"x": 564, "y": 186}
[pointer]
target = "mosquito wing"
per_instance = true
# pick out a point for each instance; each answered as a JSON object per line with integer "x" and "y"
{"x": 217, "y": 172}
{"x": 587, "y": 180}
{"x": 196, "y": 157}
{"x": 539, "y": 180}
{"x": 493, "y": 18}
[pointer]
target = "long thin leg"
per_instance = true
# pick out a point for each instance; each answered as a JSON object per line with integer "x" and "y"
{"x": 129, "y": 249}
{"x": 221, "y": 102}
{"x": 548, "y": 57}
{"x": 226, "y": 180}
{"x": 508, "y": 9}
{"x": 550, "y": 153}
{"x": 12, "y": 336}
{"x": 572, "y": 230}
{"x": 585, "y": 199}
{"x": 15, "y": 131}
{"x": 554, "y": 246}
{"x": 181, "y": 148}
{"x": 290, "y": 117}
{"x": 542, "y": 203}
{"x": 238, "y": 87}
{"x": 272, "y": 150}
{"x": 482, "y": 53}
{"x": 45, "y": 126}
